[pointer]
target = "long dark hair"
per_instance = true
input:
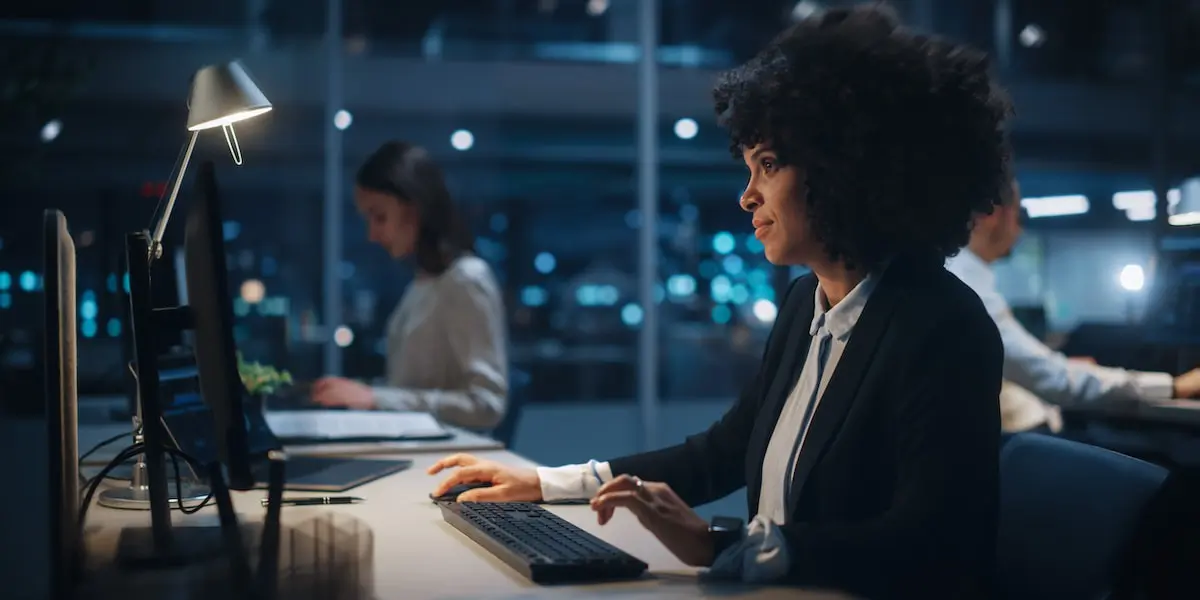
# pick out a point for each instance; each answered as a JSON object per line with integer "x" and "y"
{"x": 407, "y": 173}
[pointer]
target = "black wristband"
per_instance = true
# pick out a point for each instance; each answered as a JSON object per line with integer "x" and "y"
{"x": 725, "y": 532}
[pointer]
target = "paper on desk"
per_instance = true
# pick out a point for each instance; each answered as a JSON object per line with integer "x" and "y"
{"x": 346, "y": 424}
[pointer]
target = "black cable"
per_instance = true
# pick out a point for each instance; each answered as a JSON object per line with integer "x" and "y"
{"x": 103, "y": 444}
{"x": 176, "y": 454}
{"x": 117, "y": 460}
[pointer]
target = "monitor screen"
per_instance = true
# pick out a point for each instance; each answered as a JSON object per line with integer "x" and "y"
{"x": 1175, "y": 303}
{"x": 240, "y": 432}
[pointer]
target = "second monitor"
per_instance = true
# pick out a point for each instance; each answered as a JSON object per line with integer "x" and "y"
{"x": 241, "y": 437}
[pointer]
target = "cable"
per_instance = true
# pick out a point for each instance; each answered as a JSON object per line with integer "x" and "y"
{"x": 117, "y": 460}
{"x": 176, "y": 454}
{"x": 103, "y": 444}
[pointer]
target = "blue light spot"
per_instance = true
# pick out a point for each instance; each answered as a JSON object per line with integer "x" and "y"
{"x": 681, "y": 285}
{"x": 533, "y": 296}
{"x": 114, "y": 327}
{"x": 544, "y": 263}
{"x": 125, "y": 283}
{"x": 758, "y": 277}
{"x": 5, "y": 280}
{"x": 721, "y": 289}
{"x": 597, "y": 295}
{"x": 88, "y": 296}
{"x": 764, "y": 292}
{"x": 88, "y": 328}
{"x": 88, "y": 309}
{"x": 5, "y": 300}
{"x": 28, "y": 281}
{"x": 753, "y": 244}
{"x": 231, "y": 230}
{"x": 111, "y": 283}
{"x": 631, "y": 315}
{"x": 739, "y": 294}
{"x": 723, "y": 243}
{"x": 733, "y": 264}
{"x": 721, "y": 314}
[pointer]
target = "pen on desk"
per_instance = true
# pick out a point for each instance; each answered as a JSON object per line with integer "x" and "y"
{"x": 318, "y": 501}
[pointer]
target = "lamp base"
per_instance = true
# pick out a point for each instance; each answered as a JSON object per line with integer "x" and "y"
{"x": 138, "y": 498}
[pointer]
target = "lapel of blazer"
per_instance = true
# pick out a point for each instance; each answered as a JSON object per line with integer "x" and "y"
{"x": 786, "y": 372}
{"x": 847, "y": 376}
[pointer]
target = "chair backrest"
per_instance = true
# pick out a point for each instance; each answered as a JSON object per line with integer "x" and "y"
{"x": 506, "y": 431}
{"x": 1067, "y": 513}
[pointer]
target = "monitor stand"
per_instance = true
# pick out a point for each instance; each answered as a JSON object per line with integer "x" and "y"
{"x": 189, "y": 546}
{"x": 183, "y": 547}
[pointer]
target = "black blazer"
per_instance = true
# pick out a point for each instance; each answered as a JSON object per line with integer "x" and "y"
{"x": 898, "y": 478}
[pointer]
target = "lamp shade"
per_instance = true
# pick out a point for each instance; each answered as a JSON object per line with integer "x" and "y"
{"x": 223, "y": 94}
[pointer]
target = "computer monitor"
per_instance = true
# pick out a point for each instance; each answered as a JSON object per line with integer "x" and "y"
{"x": 242, "y": 436}
{"x": 61, "y": 402}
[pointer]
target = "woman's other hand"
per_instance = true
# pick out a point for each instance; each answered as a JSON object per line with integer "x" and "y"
{"x": 508, "y": 484}
{"x": 663, "y": 512}
{"x": 342, "y": 392}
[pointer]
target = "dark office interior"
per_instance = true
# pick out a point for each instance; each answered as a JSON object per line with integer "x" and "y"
{"x": 601, "y": 192}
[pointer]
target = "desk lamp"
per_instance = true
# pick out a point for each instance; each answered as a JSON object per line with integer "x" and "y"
{"x": 220, "y": 96}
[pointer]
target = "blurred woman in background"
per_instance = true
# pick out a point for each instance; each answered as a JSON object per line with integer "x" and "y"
{"x": 446, "y": 339}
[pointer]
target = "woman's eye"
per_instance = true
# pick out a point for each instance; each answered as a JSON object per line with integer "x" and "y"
{"x": 768, "y": 164}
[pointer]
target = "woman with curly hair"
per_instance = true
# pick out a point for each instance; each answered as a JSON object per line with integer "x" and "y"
{"x": 869, "y": 440}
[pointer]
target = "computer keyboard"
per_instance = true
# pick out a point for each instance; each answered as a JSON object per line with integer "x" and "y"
{"x": 539, "y": 544}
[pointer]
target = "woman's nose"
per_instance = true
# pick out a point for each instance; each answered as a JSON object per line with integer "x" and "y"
{"x": 750, "y": 200}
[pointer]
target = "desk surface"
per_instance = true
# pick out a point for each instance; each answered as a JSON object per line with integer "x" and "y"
{"x": 417, "y": 555}
{"x": 463, "y": 441}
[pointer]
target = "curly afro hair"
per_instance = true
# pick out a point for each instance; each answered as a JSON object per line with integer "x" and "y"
{"x": 901, "y": 136}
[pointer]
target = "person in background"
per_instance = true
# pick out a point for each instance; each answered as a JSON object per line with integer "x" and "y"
{"x": 868, "y": 441}
{"x": 1038, "y": 380}
{"x": 446, "y": 340}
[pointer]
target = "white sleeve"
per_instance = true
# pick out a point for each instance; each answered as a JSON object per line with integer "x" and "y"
{"x": 1052, "y": 377}
{"x": 760, "y": 557}
{"x": 474, "y": 330}
{"x": 573, "y": 482}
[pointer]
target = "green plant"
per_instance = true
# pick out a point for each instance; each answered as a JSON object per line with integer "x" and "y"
{"x": 260, "y": 379}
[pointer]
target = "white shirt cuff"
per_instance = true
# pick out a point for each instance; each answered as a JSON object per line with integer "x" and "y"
{"x": 573, "y": 482}
{"x": 760, "y": 557}
{"x": 1154, "y": 386}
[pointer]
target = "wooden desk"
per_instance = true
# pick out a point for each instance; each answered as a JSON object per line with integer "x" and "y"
{"x": 417, "y": 555}
{"x": 463, "y": 441}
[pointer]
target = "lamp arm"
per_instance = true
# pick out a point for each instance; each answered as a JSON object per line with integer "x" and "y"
{"x": 161, "y": 226}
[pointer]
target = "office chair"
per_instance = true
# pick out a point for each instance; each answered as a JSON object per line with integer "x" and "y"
{"x": 1068, "y": 515}
{"x": 518, "y": 381}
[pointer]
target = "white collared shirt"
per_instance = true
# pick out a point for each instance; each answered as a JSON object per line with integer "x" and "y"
{"x": 762, "y": 554}
{"x": 1049, "y": 375}
{"x": 830, "y": 330}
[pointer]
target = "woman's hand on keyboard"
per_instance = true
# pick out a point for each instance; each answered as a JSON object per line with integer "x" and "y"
{"x": 508, "y": 484}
